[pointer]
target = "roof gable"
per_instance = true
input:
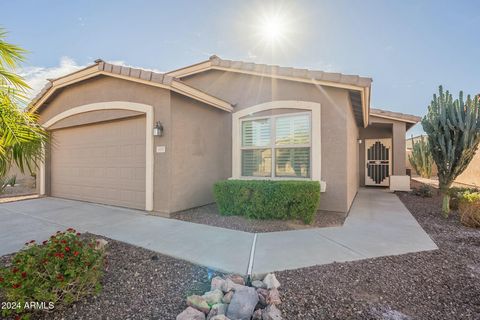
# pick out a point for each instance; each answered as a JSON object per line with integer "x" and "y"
{"x": 131, "y": 74}
{"x": 361, "y": 86}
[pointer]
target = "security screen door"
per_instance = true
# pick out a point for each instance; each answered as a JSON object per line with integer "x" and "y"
{"x": 378, "y": 154}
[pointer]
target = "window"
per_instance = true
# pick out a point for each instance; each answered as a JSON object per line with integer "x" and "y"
{"x": 277, "y": 146}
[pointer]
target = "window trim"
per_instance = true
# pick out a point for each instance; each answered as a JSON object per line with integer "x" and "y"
{"x": 315, "y": 135}
{"x": 273, "y": 145}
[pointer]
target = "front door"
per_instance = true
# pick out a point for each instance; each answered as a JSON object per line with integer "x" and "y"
{"x": 378, "y": 154}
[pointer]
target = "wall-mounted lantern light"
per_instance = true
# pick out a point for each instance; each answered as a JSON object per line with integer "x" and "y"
{"x": 359, "y": 141}
{"x": 158, "y": 129}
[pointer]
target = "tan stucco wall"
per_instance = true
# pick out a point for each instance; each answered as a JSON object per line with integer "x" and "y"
{"x": 245, "y": 90}
{"x": 105, "y": 89}
{"x": 201, "y": 144}
{"x": 471, "y": 175}
{"x": 399, "y": 148}
{"x": 352, "y": 158}
{"x": 24, "y": 179}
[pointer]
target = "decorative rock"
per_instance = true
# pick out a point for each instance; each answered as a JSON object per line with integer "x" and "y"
{"x": 220, "y": 317}
{"x": 217, "y": 309}
{"x": 238, "y": 279}
{"x": 229, "y": 285}
{"x": 243, "y": 303}
{"x": 191, "y": 314}
{"x": 273, "y": 297}
{"x": 271, "y": 281}
{"x": 101, "y": 244}
{"x": 213, "y": 297}
{"x": 257, "y": 315}
{"x": 217, "y": 283}
{"x": 258, "y": 284}
{"x": 227, "y": 298}
{"x": 271, "y": 313}
{"x": 262, "y": 296}
{"x": 199, "y": 303}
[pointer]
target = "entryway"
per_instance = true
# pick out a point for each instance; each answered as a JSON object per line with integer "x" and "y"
{"x": 378, "y": 158}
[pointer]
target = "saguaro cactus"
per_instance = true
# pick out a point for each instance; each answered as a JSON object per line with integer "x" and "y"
{"x": 453, "y": 129}
{"x": 421, "y": 158}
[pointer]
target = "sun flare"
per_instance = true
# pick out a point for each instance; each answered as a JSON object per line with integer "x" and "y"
{"x": 273, "y": 28}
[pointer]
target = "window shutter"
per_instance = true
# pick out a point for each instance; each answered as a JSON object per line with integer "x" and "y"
{"x": 292, "y": 162}
{"x": 257, "y": 162}
{"x": 293, "y": 130}
{"x": 256, "y": 133}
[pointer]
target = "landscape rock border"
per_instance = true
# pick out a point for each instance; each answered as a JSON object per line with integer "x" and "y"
{"x": 232, "y": 298}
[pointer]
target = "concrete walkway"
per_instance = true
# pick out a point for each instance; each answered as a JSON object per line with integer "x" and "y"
{"x": 378, "y": 225}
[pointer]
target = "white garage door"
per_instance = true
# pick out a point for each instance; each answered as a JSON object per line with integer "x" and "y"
{"x": 102, "y": 163}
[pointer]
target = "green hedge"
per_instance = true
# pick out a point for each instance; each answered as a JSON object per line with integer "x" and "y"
{"x": 266, "y": 199}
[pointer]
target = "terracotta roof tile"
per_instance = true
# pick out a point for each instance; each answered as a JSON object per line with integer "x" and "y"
{"x": 120, "y": 70}
{"x": 291, "y": 72}
{"x": 399, "y": 115}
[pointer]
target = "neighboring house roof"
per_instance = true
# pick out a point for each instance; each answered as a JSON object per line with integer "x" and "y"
{"x": 127, "y": 73}
{"x": 408, "y": 118}
{"x": 359, "y": 87}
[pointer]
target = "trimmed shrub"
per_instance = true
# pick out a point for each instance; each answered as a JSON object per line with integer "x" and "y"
{"x": 469, "y": 209}
{"x": 58, "y": 272}
{"x": 424, "y": 191}
{"x": 267, "y": 199}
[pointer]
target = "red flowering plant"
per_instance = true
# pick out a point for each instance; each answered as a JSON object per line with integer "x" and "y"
{"x": 58, "y": 272}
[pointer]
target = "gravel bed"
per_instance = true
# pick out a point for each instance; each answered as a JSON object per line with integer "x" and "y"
{"x": 138, "y": 284}
{"x": 209, "y": 215}
{"x": 441, "y": 284}
{"x": 18, "y": 190}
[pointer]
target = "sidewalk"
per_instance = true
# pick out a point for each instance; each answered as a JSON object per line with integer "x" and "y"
{"x": 378, "y": 225}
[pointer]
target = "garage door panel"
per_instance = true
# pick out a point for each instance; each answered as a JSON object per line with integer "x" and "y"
{"x": 102, "y": 163}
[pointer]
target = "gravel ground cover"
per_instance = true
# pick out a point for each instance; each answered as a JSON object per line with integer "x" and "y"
{"x": 138, "y": 284}
{"x": 209, "y": 215}
{"x": 441, "y": 284}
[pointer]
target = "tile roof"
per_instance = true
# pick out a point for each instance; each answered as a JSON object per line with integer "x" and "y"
{"x": 266, "y": 69}
{"x": 102, "y": 66}
{"x": 397, "y": 115}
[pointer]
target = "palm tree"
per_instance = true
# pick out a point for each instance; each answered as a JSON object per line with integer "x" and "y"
{"x": 21, "y": 137}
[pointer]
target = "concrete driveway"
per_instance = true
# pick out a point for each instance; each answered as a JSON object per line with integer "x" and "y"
{"x": 378, "y": 225}
{"x": 227, "y": 250}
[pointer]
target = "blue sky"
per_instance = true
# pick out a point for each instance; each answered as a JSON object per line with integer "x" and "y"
{"x": 407, "y": 47}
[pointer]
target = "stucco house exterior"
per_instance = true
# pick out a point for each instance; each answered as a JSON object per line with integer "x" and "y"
{"x": 217, "y": 119}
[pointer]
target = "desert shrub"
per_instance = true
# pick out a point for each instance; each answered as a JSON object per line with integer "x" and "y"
{"x": 266, "y": 199}
{"x": 12, "y": 181}
{"x": 469, "y": 209}
{"x": 60, "y": 271}
{"x": 424, "y": 191}
{"x": 456, "y": 194}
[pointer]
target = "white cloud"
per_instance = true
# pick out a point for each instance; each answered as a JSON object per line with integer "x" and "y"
{"x": 37, "y": 77}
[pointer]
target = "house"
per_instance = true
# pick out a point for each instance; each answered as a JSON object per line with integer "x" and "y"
{"x": 139, "y": 139}
{"x": 469, "y": 178}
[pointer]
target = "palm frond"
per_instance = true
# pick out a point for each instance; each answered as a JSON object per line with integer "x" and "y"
{"x": 10, "y": 54}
